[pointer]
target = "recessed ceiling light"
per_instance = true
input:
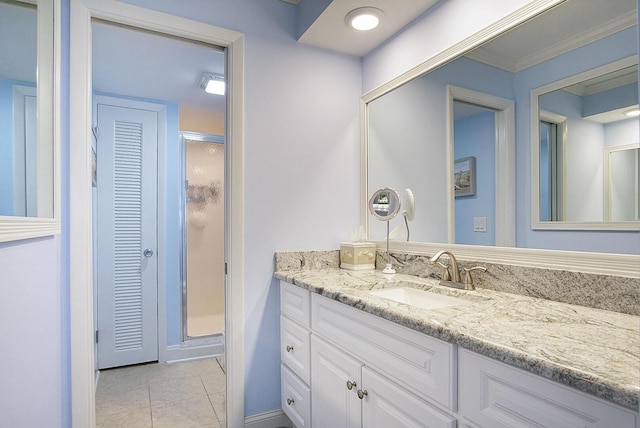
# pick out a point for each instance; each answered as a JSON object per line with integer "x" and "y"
{"x": 212, "y": 83}
{"x": 633, "y": 112}
{"x": 364, "y": 18}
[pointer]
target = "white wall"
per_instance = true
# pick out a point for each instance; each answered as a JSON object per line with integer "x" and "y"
{"x": 31, "y": 337}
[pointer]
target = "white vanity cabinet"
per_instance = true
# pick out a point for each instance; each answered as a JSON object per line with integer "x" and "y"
{"x": 361, "y": 370}
{"x": 343, "y": 367}
{"x": 496, "y": 395}
{"x": 294, "y": 354}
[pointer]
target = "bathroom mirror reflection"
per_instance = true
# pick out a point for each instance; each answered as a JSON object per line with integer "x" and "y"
{"x": 621, "y": 183}
{"x": 27, "y": 182}
{"x": 585, "y": 139}
{"x": 413, "y": 130}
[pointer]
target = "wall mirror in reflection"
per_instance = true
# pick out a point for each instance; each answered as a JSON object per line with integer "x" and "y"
{"x": 588, "y": 132}
{"x": 26, "y": 161}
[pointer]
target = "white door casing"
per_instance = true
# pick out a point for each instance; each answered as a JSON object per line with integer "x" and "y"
{"x": 80, "y": 245}
{"x": 127, "y": 262}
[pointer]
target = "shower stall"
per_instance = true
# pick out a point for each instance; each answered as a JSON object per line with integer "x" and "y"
{"x": 203, "y": 237}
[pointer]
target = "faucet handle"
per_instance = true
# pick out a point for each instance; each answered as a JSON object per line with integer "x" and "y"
{"x": 468, "y": 280}
{"x": 446, "y": 273}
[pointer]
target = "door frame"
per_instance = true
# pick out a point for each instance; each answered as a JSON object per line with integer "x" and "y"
{"x": 505, "y": 161}
{"x": 80, "y": 212}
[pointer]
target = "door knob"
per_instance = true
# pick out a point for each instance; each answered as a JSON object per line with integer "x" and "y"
{"x": 148, "y": 253}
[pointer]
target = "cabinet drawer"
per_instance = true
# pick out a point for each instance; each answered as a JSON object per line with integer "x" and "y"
{"x": 294, "y": 302}
{"x": 493, "y": 394}
{"x": 294, "y": 347}
{"x": 422, "y": 364}
{"x": 296, "y": 398}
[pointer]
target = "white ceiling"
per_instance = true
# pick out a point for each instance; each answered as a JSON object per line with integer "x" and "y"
{"x": 330, "y": 31}
{"x": 565, "y": 27}
{"x": 148, "y": 65}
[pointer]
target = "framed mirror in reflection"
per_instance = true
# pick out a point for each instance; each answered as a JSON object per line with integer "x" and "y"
{"x": 27, "y": 151}
{"x": 587, "y": 141}
{"x": 479, "y": 105}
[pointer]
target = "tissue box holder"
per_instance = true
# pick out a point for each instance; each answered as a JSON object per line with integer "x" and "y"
{"x": 358, "y": 255}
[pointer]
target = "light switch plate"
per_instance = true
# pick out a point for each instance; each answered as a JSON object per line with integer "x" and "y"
{"x": 479, "y": 224}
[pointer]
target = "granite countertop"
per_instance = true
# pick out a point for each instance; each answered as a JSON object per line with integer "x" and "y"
{"x": 592, "y": 350}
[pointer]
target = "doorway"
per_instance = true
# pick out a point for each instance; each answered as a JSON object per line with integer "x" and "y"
{"x": 502, "y": 111}
{"x": 84, "y": 12}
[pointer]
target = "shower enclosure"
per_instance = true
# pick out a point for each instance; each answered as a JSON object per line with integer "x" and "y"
{"x": 203, "y": 237}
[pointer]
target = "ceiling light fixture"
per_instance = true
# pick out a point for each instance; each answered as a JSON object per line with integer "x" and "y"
{"x": 212, "y": 83}
{"x": 364, "y": 18}
{"x": 633, "y": 112}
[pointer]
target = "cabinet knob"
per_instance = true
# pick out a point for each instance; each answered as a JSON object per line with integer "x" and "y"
{"x": 289, "y": 348}
{"x": 350, "y": 385}
{"x": 362, "y": 393}
{"x": 289, "y": 401}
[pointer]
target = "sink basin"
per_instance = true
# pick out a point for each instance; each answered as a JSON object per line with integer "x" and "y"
{"x": 419, "y": 298}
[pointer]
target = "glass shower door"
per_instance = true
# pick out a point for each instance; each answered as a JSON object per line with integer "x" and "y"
{"x": 203, "y": 247}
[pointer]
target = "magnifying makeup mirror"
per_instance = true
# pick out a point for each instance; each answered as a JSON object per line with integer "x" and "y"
{"x": 385, "y": 205}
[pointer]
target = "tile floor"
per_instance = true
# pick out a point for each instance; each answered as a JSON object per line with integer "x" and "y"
{"x": 177, "y": 395}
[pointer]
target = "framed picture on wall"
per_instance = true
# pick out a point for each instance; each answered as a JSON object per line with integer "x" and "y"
{"x": 464, "y": 176}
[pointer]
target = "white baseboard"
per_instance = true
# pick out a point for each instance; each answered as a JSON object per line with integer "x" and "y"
{"x": 273, "y": 419}
{"x": 185, "y": 351}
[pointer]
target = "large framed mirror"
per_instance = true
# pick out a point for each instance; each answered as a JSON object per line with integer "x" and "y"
{"x": 29, "y": 156}
{"x": 477, "y": 104}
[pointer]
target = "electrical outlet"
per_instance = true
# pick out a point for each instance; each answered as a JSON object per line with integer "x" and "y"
{"x": 479, "y": 224}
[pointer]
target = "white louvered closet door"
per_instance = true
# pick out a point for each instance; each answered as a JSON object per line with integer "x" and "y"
{"x": 127, "y": 234}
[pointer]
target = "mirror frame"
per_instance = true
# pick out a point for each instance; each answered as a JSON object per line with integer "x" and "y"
{"x": 13, "y": 228}
{"x": 536, "y": 223}
{"x": 587, "y": 262}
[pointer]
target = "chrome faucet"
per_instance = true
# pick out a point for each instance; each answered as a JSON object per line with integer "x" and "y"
{"x": 451, "y": 274}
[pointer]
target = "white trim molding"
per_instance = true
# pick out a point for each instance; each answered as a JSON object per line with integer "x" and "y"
{"x": 80, "y": 233}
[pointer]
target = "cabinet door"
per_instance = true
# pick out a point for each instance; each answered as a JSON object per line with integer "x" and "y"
{"x": 388, "y": 405}
{"x": 332, "y": 403}
{"x": 493, "y": 394}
